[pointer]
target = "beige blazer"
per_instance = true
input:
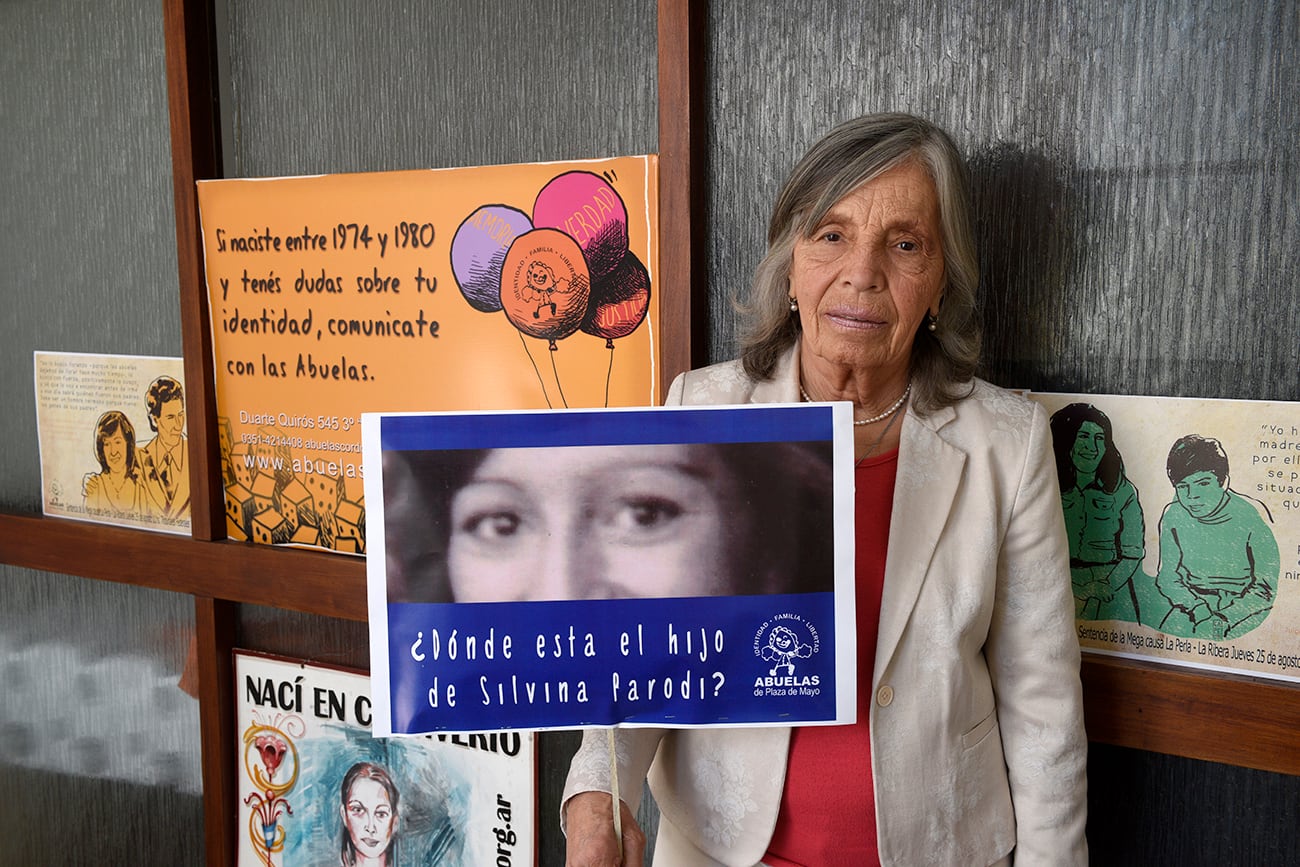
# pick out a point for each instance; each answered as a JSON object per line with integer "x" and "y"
{"x": 978, "y": 748}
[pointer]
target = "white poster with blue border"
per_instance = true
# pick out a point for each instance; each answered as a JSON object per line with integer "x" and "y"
{"x": 674, "y": 567}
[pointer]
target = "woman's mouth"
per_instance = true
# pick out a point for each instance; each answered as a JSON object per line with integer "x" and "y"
{"x": 854, "y": 319}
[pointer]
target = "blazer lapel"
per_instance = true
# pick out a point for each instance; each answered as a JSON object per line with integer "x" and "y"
{"x": 929, "y": 472}
{"x": 783, "y": 387}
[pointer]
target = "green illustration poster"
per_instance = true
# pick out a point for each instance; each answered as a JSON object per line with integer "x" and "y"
{"x": 1183, "y": 517}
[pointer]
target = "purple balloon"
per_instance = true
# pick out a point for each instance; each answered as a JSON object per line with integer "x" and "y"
{"x": 478, "y": 251}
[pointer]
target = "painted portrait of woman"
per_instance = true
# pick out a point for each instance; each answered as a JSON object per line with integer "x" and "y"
{"x": 368, "y": 810}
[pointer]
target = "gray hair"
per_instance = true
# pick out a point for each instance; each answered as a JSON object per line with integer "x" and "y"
{"x": 847, "y": 157}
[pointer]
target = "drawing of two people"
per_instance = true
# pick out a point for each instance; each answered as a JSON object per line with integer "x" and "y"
{"x": 1219, "y": 560}
{"x": 147, "y": 481}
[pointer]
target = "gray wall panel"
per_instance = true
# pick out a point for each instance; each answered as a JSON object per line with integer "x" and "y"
{"x": 87, "y": 235}
{"x": 99, "y": 748}
{"x": 1134, "y": 171}
{"x": 339, "y": 86}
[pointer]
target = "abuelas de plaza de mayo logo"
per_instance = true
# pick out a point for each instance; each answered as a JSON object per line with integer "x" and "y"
{"x": 785, "y": 642}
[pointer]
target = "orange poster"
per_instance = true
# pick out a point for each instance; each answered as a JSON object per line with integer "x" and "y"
{"x": 527, "y": 286}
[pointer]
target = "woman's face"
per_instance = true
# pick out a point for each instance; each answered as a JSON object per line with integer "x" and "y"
{"x": 869, "y": 273}
{"x": 593, "y": 522}
{"x": 1089, "y": 446}
{"x": 369, "y": 817}
{"x": 115, "y": 452}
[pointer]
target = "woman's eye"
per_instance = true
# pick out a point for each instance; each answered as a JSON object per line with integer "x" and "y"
{"x": 832, "y": 236}
{"x": 356, "y": 810}
{"x": 489, "y": 526}
{"x": 651, "y": 513}
{"x": 908, "y": 246}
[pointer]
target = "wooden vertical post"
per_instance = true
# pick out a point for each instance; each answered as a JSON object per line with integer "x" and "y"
{"x": 682, "y": 44}
{"x": 214, "y": 627}
{"x": 192, "y": 104}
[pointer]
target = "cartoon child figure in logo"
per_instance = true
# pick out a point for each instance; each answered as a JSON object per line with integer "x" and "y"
{"x": 783, "y": 648}
{"x": 1219, "y": 560}
{"x": 544, "y": 286}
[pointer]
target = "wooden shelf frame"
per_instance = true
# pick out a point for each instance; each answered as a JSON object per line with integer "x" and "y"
{"x": 1232, "y": 719}
{"x": 1244, "y": 721}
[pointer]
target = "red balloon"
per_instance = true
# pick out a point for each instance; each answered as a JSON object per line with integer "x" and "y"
{"x": 545, "y": 288}
{"x": 619, "y": 302}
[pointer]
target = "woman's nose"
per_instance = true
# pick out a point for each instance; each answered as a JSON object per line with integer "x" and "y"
{"x": 861, "y": 267}
{"x": 567, "y": 569}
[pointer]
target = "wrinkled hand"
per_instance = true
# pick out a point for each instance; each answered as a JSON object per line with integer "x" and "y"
{"x": 90, "y": 485}
{"x": 589, "y": 820}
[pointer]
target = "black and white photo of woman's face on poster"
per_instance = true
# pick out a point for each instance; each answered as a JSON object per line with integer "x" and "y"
{"x": 609, "y": 521}
{"x": 654, "y": 528}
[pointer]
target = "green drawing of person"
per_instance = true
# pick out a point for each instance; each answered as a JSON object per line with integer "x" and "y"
{"x": 1103, "y": 518}
{"x": 1219, "y": 559}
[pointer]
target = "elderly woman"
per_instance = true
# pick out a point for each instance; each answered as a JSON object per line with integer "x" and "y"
{"x": 969, "y": 747}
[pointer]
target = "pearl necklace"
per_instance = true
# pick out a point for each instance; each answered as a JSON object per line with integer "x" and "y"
{"x": 893, "y": 408}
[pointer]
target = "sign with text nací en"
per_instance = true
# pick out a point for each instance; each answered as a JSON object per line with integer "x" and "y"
{"x": 493, "y": 287}
{"x": 681, "y": 566}
{"x": 1183, "y": 517}
{"x": 314, "y": 787}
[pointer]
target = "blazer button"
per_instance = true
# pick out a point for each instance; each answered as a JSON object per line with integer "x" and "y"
{"x": 885, "y": 696}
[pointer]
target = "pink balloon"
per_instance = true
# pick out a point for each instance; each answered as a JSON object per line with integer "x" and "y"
{"x": 587, "y": 209}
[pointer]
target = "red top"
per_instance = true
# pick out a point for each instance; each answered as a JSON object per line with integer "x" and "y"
{"x": 828, "y": 807}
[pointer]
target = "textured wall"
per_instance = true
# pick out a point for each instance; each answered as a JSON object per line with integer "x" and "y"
{"x": 86, "y": 230}
{"x": 99, "y": 750}
{"x": 338, "y": 86}
{"x": 99, "y": 747}
{"x": 1134, "y": 170}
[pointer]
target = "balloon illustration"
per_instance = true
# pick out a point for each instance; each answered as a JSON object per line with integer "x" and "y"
{"x": 585, "y": 207}
{"x": 568, "y": 267}
{"x": 545, "y": 288}
{"x": 619, "y": 301}
{"x": 478, "y": 253}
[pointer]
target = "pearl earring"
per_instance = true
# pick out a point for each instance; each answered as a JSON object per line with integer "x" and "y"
{"x": 794, "y": 305}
